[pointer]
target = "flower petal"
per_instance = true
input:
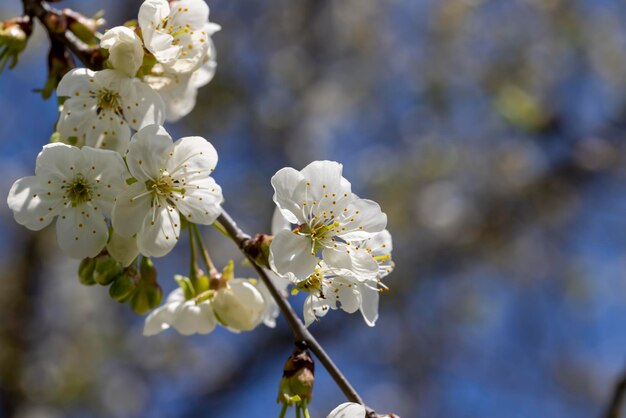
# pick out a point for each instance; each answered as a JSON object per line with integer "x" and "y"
{"x": 131, "y": 207}
{"x": 141, "y": 105}
{"x": 348, "y": 410}
{"x": 123, "y": 249}
{"x": 58, "y": 161}
{"x": 31, "y": 205}
{"x": 291, "y": 253}
{"x": 369, "y": 302}
{"x": 201, "y": 202}
{"x": 362, "y": 220}
{"x": 314, "y": 308}
{"x": 159, "y": 320}
{"x": 76, "y": 80}
{"x": 81, "y": 231}
{"x": 350, "y": 262}
{"x": 160, "y": 230}
{"x": 147, "y": 152}
{"x": 192, "y": 155}
{"x": 289, "y": 187}
{"x": 107, "y": 171}
{"x": 190, "y": 318}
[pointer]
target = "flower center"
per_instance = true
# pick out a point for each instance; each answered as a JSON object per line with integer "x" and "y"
{"x": 79, "y": 191}
{"x": 108, "y": 100}
{"x": 313, "y": 283}
{"x": 165, "y": 186}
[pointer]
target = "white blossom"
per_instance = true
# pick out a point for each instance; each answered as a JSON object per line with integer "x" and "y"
{"x": 186, "y": 316}
{"x": 329, "y": 218}
{"x": 179, "y": 91}
{"x": 348, "y": 410}
{"x": 176, "y": 33}
{"x": 102, "y": 107}
{"x": 237, "y": 305}
{"x": 125, "y": 49}
{"x": 173, "y": 179}
{"x": 76, "y": 185}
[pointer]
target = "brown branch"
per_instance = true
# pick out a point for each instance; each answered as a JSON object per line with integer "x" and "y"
{"x": 614, "y": 410}
{"x": 56, "y": 24}
{"x": 300, "y": 333}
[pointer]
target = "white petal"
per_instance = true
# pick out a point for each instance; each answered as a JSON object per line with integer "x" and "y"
{"x": 369, "y": 302}
{"x": 107, "y": 172}
{"x": 314, "y": 308}
{"x": 141, "y": 105}
{"x": 31, "y": 205}
{"x": 147, "y": 152}
{"x": 201, "y": 202}
{"x": 107, "y": 130}
{"x": 347, "y": 294}
{"x": 160, "y": 231}
{"x": 76, "y": 80}
{"x": 291, "y": 253}
{"x": 159, "y": 320}
{"x": 191, "y": 155}
{"x": 77, "y": 118}
{"x": 325, "y": 173}
{"x": 240, "y": 306}
{"x": 279, "y": 223}
{"x": 82, "y": 231}
{"x": 289, "y": 187}
{"x": 192, "y": 12}
{"x": 350, "y": 262}
{"x": 348, "y": 410}
{"x": 363, "y": 219}
{"x": 123, "y": 249}
{"x": 131, "y": 207}
{"x": 125, "y": 49}
{"x": 58, "y": 161}
{"x": 190, "y": 318}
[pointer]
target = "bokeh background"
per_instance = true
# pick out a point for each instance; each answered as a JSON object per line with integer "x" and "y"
{"x": 490, "y": 131}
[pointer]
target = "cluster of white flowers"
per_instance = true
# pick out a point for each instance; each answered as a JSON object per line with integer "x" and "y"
{"x": 328, "y": 241}
{"x": 117, "y": 182}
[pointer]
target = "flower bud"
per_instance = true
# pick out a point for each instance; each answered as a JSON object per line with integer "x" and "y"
{"x": 106, "y": 270}
{"x": 125, "y": 49}
{"x": 259, "y": 249}
{"x": 122, "y": 288}
{"x": 83, "y": 27}
{"x": 146, "y": 297}
{"x": 296, "y": 384}
{"x": 147, "y": 271}
{"x": 85, "y": 271}
{"x": 239, "y": 305}
{"x": 14, "y": 35}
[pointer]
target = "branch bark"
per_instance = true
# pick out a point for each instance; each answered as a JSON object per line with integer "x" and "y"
{"x": 55, "y": 23}
{"x": 614, "y": 410}
{"x": 300, "y": 333}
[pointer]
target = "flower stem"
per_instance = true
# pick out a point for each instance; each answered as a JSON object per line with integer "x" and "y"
{"x": 213, "y": 272}
{"x": 305, "y": 409}
{"x": 298, "y": 411}
{"x": 193, "y": 265}
{"x": 300, "y": 332}
{"x": 283, "y": 411}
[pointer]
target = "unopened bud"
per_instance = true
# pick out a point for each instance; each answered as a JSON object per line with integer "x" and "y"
{"x": 83, "y": 27}
{"x": 259, "y": 249}
{"x": 122, "y": 288}
{"x": 107, "y": 269}
{"x": 14, "y": 36}
{"x": 239, "y": 305}
{"x": 147, "y": 271}
{"x": 298, "y": 377}
{"x": 85, "y": 271}
{"x": 146, "y": 297}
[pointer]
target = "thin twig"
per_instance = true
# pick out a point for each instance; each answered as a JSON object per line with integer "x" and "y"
{"x": 300, "y": 332}
{"x": 91, "y": 57}
{"x": 614, "y": 410}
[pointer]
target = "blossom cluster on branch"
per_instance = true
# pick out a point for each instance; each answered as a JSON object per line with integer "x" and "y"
{"x": 120, "y": 191}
